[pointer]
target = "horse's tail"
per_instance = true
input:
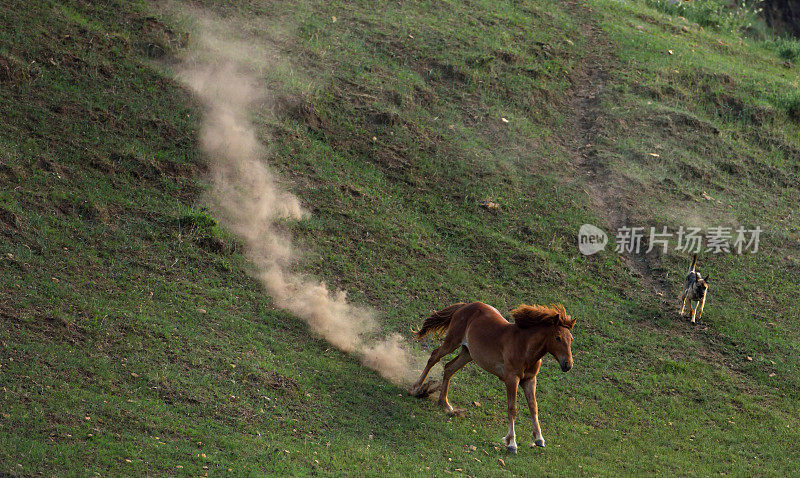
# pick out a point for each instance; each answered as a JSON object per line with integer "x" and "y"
{"x": 694, "y": 264}
{"x": 439, "y": 321}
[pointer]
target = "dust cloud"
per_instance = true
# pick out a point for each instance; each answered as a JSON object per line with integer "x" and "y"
{"x": 223, "y": 73}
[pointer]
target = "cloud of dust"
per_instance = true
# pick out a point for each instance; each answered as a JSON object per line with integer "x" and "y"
{"x": 246, "y": 198}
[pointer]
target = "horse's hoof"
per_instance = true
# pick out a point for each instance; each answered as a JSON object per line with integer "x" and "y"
{"x": 512, "y": 449}
{"x": 425, "y": 389}
{"x": 539, "y": 442}
{"x": 456, "y": 412}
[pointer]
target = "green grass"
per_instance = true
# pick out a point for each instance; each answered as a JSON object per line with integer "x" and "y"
{"x": 716, "y": 14}
{"x": 787, "y": 48}
{"x": 133, "y": 340}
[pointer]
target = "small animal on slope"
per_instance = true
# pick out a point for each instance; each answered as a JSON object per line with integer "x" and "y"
{"x": 695, "y": 289}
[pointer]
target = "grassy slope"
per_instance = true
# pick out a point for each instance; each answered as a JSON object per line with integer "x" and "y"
{"x": 106, "y": 358}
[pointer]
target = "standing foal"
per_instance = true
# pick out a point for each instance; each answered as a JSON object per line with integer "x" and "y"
{"x": 512, "y": 352}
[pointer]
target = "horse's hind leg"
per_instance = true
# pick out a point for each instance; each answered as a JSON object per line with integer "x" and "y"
{"x": 451, "y": 342}
{"x": 450, "y": 369}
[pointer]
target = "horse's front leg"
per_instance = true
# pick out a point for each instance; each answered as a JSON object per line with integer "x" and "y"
{"x": 529, "y": 387}
{"x": 510, "y": 440}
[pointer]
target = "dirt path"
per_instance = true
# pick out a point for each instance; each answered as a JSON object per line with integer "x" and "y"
{"x": 608, "y": 195}
{"x": 605, "y": 190}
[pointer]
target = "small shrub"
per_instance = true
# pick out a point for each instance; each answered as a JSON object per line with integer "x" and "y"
{"x": 204, "y": 229}
{"x": 788, "y": 49}
{"x": 790, "y": 103}
{"x": 199, "y": 220}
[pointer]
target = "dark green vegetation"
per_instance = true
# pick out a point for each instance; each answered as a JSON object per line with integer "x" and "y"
{"x": 133, "y": 340}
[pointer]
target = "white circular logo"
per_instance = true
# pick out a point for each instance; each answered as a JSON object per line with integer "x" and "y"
{"x": 591, "y": 239}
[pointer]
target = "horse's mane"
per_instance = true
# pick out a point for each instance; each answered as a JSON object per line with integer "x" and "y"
{"x": 527, "y": 316}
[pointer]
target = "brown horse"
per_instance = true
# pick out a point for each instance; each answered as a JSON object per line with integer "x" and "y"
{"x": 513, "y": 352}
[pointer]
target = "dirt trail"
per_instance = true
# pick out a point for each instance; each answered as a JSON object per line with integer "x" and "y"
{"x": 608, "y": 193}
{"x": 605, "y": 190}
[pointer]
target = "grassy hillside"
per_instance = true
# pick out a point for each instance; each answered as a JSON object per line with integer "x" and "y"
{"x": 134, "y": 342}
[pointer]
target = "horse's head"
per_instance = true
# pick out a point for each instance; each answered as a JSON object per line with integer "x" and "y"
{"x": 559, "y": 343}
{"x": 555, "y": 323}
